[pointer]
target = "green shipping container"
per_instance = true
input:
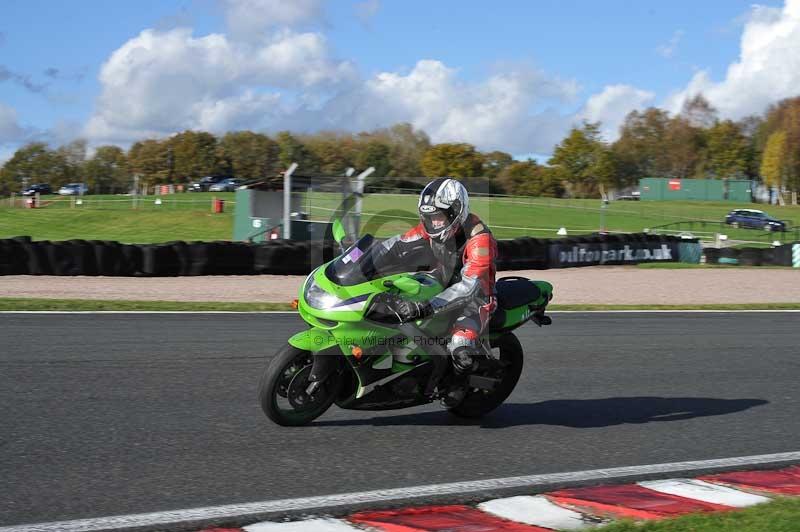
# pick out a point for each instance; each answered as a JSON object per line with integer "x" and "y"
{"x": 664, "y": 189}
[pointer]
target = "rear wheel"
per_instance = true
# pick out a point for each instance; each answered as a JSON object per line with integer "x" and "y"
{"x": 284, "y": 389}
{"x": 477, "y": 402}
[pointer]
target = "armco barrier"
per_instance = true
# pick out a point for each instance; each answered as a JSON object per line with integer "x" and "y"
{"x": 80, "y": 257}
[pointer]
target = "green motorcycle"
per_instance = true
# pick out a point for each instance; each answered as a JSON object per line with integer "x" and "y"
{"x": 356, "y": 354}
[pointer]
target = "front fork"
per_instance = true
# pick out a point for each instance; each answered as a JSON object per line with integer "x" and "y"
{"x": 324, "y": 351}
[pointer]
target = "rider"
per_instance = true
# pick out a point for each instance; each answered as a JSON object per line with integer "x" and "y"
{"x": 464, "y": 252}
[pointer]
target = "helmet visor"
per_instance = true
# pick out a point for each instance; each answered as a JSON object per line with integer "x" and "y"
{"x": 435, "y": 222}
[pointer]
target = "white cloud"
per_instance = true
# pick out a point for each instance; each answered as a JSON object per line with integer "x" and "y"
{"x": 10, "y": 130}
{"x": 252, "y": 18}
{"x": 496, "y": 113}
{"x": 668, "y": 50}
{"x": 611, "y": 106}
{"x": 161, "y": 82}
{"x": 767, "y": 70}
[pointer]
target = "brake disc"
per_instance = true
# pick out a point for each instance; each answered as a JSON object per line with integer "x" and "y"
{"x": 296, "y": 392}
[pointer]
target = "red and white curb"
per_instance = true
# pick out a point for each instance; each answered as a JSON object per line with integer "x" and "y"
{"x": 566, "y": 509}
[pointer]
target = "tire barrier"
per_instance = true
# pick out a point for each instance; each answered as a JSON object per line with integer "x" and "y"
{"x": 774, "y": 256}
{"x": 22, "y": 256}
{"x": 598, "y": 250}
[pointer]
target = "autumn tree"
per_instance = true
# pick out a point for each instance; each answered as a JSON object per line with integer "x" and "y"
{"x": 728, "y": 150}
{"x": 584, "y": 162}
{"x": 453, "y": 160}
{"x": 376, "y": 153}
{"x": 248, "y": 155}
{"x": 785, "y": 116}
{"x": 292, "y": 150}
{"x": 699, "y": 112}
{"x": 107, "y": 171}
{"x": 35, "y": 163}
{"x": 640, "y": 151}
{"x": 193, "y": 155}
{"x": 527, "y": 178}
{"x": 774, "y": 161}
{"x": 152, "y": 161}
{"x": 495, "y": 162}
{"x": 407, "y": 147}
{"x": 683, "y": 149}
{"x": 333, "y": 152}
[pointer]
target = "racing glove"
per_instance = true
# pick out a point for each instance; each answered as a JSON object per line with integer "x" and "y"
{"x": 408, "y": 310}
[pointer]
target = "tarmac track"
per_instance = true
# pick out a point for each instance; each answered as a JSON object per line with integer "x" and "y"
{"x": 105, "y": 414}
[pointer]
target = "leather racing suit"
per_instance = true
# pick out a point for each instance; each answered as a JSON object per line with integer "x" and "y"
{"x": 465, "y": 265}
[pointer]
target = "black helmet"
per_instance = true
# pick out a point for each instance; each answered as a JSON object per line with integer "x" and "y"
{"x": 443, "y": 208}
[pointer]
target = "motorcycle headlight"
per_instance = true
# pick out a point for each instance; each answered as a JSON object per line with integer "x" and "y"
{"x": 318, "y": 298}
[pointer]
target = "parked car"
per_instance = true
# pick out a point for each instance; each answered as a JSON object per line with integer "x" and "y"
{"x": 754, "y": 219}
{"x": 39, "y": 188}
{"x": 226, "y": 185}
{"x": 73, "y": 189}
{"x": 204, "y": 184}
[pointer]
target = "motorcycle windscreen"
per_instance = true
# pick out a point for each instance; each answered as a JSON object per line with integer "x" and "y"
{"x": 369, "y": 259}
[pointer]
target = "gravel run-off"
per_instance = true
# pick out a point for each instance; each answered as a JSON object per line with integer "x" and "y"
{"x": 614, "y": 285}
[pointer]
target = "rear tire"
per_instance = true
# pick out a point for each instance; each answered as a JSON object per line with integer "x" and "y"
{"x": 287, "y": 376}
{"x": 478, "y": 403}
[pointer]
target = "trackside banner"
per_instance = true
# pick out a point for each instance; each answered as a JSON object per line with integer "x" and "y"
{"x": 566, "y": 255}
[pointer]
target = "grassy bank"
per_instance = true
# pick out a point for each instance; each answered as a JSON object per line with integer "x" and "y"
{"x": 782, "y": 515}
{"x": 198, "y": 306}
{"x": 189, "y": 217}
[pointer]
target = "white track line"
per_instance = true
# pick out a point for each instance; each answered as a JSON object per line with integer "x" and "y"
{"x": 328, "y": 502}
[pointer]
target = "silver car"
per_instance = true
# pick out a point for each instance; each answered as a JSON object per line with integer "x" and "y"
{"x": 73, "y": 189}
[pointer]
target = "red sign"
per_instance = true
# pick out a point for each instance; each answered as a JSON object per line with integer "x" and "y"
{"x": 674, "y": 184}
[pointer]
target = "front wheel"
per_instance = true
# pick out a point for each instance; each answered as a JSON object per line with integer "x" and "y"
{"x": 284, "y": 389}
{"x": 477, "y": 402}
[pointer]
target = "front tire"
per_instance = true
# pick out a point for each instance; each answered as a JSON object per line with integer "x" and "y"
{"x": 478, "y": 403}
{"x": 282, "y": 391}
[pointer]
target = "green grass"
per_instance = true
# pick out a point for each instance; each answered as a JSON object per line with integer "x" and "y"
{"x": 99, "y": 305}
{"x": 782, "y": 515}
{"x": 11, "y": 303}
{"x": 189, "y": 217}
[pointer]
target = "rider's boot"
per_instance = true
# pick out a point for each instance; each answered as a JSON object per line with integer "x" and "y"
{"x": 464, "y": 362}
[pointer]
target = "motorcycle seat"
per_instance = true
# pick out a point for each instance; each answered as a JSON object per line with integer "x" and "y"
{"x": 515, "y": 291}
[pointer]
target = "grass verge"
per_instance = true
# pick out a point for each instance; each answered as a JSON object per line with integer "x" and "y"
{"x": 782, "y": 515}
{"x": 196, "y": 306}
{"x": 100, "y": 304}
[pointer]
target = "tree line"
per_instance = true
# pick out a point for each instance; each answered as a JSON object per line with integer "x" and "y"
{"x": 694, "y": 143}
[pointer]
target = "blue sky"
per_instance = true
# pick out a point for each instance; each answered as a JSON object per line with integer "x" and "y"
{"x": 510, "y": 75}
